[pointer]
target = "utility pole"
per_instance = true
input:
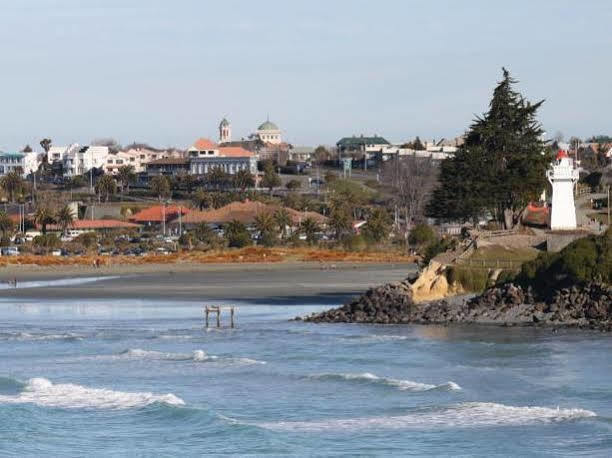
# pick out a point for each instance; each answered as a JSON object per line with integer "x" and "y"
{"x": 609, "y": 222}
{"x": 164, "y": 218}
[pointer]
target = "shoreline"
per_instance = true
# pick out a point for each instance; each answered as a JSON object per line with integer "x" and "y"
{"x": 260, "y": 283}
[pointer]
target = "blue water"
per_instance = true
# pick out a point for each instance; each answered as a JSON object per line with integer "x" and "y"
{"x": 142, "y": 378}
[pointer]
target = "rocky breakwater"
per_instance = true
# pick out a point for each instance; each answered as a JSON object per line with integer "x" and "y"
{"x": 586, "y": 306}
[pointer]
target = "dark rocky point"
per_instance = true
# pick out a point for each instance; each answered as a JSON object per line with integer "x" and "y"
{"x": 586, "y": 306}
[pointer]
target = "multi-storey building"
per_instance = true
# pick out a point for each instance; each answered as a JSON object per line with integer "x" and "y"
{"x": 205, "y": 155}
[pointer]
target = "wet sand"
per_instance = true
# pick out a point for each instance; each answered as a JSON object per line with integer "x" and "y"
{"x": 266, "y": 283}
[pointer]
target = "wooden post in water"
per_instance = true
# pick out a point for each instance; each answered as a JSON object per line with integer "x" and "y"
{"x": 206, "y": 312}
{"x": 232, "y": 317}
{"x": 218, "y": 317}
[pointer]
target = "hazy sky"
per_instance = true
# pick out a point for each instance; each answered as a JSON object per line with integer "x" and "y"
{"x": 165, "y": 72}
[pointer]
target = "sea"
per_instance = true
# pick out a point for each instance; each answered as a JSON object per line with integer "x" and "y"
{"x": 144, "y": 377}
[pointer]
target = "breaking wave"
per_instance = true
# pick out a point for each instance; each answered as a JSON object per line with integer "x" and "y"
{"x": 466, "y": 415}
{"x": 195, "y": 356}
{"x": 403, "y": 385}
{"x": 43, "y": 392}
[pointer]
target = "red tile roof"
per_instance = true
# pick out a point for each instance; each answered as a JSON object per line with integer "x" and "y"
{"x": 246, "y": 212}
{"x": 156, "y": 214}
{"x": 93, "y": 224}
{"x": 235, "y": 151}
{"x": 204, "y": 144}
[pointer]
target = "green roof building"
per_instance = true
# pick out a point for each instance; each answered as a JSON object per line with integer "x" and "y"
{"x": 361, "y": 143}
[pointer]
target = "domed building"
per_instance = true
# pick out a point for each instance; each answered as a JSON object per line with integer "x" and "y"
{"x": 268, "y": 132}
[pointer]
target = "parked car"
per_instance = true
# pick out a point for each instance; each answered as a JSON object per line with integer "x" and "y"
{"x": 9, "y": 251}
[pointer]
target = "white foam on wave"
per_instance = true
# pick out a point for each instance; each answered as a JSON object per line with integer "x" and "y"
{"x": 466, "y": 415}
{"x": 26, "y": 336}
{"x": 43, "y": 392}
{"x": 196, "y": 356}
{"x": 403, "y": 385}
{"x": 58, "y": 282}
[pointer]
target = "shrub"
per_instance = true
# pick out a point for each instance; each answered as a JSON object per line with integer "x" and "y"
{"x": 237, "y": 235}
{"x": 422, "y": 234}
{"x": 474, "y": 280}
{"x": 47, "y": 241}
{"x": 355, "y": 243}
{"x": 583, "y": 260}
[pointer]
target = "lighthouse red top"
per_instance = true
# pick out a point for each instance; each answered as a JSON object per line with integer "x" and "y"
{"x": 561, "y": 154}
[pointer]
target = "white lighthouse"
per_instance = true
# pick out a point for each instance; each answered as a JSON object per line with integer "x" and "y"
{"x": 562, "y": 176}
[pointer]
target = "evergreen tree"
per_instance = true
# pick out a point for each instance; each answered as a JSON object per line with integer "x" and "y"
{"x": 500, "y": 167}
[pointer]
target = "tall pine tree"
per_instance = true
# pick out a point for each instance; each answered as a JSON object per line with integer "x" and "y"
{"x": 500, "y": 167}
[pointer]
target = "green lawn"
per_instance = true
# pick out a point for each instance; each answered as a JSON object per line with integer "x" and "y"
{"x": 495, "y": 252}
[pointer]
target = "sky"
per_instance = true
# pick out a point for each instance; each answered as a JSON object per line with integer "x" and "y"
{"x": 165, "y": 72}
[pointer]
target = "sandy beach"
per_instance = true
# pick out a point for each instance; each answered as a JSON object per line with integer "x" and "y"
{"x": 269, "y": 283}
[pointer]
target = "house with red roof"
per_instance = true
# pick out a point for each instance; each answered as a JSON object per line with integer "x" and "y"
{"x": 246, "y": 212}
{"x": 158, "y": 214}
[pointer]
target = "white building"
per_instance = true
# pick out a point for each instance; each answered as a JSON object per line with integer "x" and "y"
{"x": 268, "y": 132}
{"x": 77, "y": 159}
{"x": 205, "y": 155}
{"x": 26, "y": 163}
{"x": 31, "y": 162}
{"x": 82, "y": 160}
{"x": 392, "y": 151}
{"x": 138, "y": 158}
{"x": 562, "y": 176}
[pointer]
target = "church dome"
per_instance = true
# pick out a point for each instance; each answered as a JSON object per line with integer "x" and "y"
{"x": 268, "y": 126}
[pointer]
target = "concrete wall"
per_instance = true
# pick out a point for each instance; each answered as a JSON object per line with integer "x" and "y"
{"x": 556, "y": 241}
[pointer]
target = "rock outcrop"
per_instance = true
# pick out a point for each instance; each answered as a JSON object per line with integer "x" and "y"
{"x": 587, "y": 306}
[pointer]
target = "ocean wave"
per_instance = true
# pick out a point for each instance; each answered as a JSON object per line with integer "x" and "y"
{"x": 26, "y": 336}
{"x": 195, "y": 356}
{"x": 43, "y": 392}
{"x": 403, "y": 385}
{"x": 466, "y": 415}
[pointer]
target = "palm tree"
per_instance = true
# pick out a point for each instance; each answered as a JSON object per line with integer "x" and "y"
{"x": 201, "y": 199}
{"x": 266, "y": 225}
{"x": 310, "y": 228}
{"x": 218, "y": 199}
{"x": 11, "y": 183}
{"x": 243, "y": 179}
{"x": 126, "y": 175}
{"x": 6, "y": 224}
{"x": 45, "y": 143}
{"x": 160, "y": 186}
{"x": 237, "y": 234}
{"x": 107, "y": 186}
{"x": 44, "y": 216}
{"x": 64, "y": 218}
{"x": 282, "y": 219}
{"x": 340, "y": 220}
{"x": 217, "y": 177}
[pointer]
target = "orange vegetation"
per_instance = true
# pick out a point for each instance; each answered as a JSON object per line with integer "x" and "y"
{"x": 244, "y": 255}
